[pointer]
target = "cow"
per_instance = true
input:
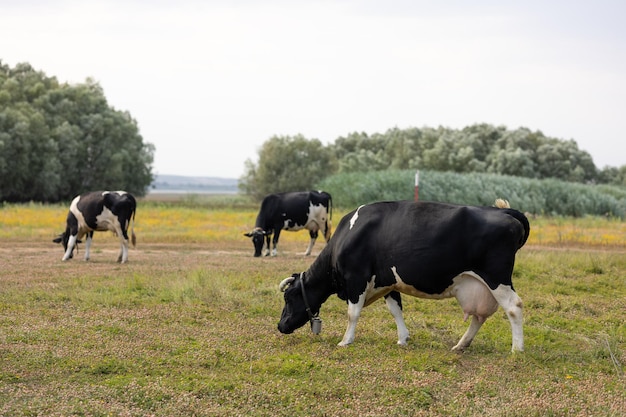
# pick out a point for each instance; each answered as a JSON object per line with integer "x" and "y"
{"x": 424, "y": 249}
{"x": 292, "y": 211}
{"x": 99, "y": 211}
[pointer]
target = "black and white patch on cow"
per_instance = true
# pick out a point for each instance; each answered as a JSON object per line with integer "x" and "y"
{"x": 423, "y": 249}
{"x": 293, "y": 211}
{"x": 99, "y": 211}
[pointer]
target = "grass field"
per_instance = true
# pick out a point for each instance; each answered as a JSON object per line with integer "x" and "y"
{"x": 188, "y": 327}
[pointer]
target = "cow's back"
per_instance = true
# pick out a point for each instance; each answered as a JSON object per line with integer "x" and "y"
{"x": 429, "y": 242}
{"x": 86, "y": 207}
{"x": 321, "y": 198}
{"x": 120, "y": 203}
{"x": 293, "y": 206}
{"x": 89, "y": 208}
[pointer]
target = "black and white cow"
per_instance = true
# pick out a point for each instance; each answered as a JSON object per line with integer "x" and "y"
{"x": 99, "y": 211}
{"x": 292, "y": 211}
{"x": 424, "y": 249}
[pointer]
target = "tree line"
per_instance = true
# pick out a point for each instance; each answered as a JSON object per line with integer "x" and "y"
{"x": 288, "y": 163}
{"x": 58, "y": 140}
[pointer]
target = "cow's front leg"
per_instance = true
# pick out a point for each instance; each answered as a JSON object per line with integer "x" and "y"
{"x": 354, "y": 311}
{"x": 71, "y": 242}
{"x": 394, "y": 304}
{"x": 508, "y": 299}
{"x": 267, "y": 245}
{"x": 274, "y": 243}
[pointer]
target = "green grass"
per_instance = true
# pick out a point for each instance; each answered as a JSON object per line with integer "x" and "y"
{"x": 190, "y": 329}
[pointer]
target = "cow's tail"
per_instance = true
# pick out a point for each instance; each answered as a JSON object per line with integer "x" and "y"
{"x": 329, "y": 224}
{"x": 133, "y": 238}
{"x": 330, "y": 206}
{"x": 519, "y": 216}
{"x": 501, "y": 203}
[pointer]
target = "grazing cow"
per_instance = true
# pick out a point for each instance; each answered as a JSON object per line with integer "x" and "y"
{"x": 424, "y": 249}
{"x": 99, "y": 211}
{"x": 292, "y": 211}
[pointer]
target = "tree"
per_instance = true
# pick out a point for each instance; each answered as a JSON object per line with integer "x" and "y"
{"x": 613, "y": 175}
{"x": 404, "y": 147}
{"x": 476, "y": 148}
{"x": 514, "y": 153}
{"x": 437, "y": 157}
{"x": 287, "y": 164}
{"x": 59, "y": 140}
{"x": 359, "y": 152}
{"x": 563, "y": 160}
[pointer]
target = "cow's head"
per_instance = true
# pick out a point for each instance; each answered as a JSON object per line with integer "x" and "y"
{"x": 63, "y": 238}
{"x": 258, "y": 237}
{"x": 295, "y": 314}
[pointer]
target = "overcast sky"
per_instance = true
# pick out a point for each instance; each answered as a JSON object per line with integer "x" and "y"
{"x": 209, "y": 81}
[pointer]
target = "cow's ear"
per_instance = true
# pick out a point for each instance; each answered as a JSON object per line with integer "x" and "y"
{"x": 58, "y": 239}
{"x": 248, "y": 234}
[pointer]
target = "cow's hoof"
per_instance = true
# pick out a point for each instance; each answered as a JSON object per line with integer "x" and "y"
{"x": 459, "y": 349}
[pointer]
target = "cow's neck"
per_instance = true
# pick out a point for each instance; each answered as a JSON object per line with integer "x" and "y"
{"x": 318, "y": 280}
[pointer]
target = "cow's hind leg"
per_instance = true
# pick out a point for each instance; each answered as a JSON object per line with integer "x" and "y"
{"x": 476, "y": 300}
{"x": 123, "y": 255}
{"x": 88, "y": 245}
{"x": 313, "y": 235}
{"x": 122, "y": 234}
{"x": 511, "y": 303}
{"x": 394, "y": 304}
{"x": 469, "y": 334}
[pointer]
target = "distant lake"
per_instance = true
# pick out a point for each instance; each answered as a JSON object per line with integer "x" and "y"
{"x": 177, "y": 184}
{"x": 193, "y": 191}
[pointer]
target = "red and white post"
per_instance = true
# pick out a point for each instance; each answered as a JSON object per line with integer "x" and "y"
{"x": 417, "y": 184}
